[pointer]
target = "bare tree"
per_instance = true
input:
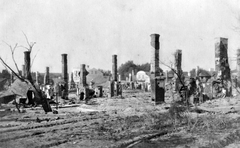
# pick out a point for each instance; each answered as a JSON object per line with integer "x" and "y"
{"x": 12, "y": 51}
{"x": 179, "y": 75}
{"x": 29, "y": 48}
{"x": 30, "y": 45}
{"x": 34, "y": 57}
{"x": 42, "y": 100}
{"x": 6, "y": 65}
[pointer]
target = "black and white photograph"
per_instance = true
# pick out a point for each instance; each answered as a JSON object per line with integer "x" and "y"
{"x": 120, "y": 74}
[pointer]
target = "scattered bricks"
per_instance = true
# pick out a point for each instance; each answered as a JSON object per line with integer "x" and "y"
{"x": 222, "y": 65}
{"x": 46, "y": 76}
{"x": 157, "y": 92}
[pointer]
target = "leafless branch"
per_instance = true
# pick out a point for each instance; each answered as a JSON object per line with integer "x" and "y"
{"x": 23, "y": 47}
{"x": 5, "y": 67}
{"x": 178, "y": 75}
{"x": 19, "y": 77}
{"x": 29, "y": 44}
{"x": 26, "y": 38}
{"x": 34, "y": 57}
{"x": 12, "y": 51}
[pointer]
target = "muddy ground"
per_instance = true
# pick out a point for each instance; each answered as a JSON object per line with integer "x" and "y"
{"x": 129, "y": 121}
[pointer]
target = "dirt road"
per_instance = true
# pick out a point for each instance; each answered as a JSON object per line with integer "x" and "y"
{"x": 104, "y": 122}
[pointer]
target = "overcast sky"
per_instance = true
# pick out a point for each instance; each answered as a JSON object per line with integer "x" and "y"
{"x": 91, "y": 31}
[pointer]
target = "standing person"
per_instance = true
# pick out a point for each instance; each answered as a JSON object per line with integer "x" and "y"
{"x": 62, "y": 91}
{"x": 47, "y": 91}
{"x": 77, "y": 93}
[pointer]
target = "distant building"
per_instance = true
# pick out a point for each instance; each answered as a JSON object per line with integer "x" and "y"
{"x": 4, "y": 83}
{"x": 143, "y": 76}
{"x": 94, "y": 75}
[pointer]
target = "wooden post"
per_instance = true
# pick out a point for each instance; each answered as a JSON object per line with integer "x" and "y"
{"x": 157, "y": 93}
{"x": 27, "y": 63}
{"x": 65, "y": 74}
{"x": 46, "y": 76}
{"x": 222, "y": 65}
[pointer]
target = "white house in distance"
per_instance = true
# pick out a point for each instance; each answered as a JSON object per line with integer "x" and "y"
{"x": 142, "y": 76}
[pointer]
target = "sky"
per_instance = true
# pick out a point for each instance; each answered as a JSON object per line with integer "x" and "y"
{"x": 91, "y": 31}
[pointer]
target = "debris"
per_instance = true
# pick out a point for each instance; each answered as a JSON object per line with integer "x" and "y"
{"x": 55, "y": 112}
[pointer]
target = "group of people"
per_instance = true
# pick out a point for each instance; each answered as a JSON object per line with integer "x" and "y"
{"x": 196, "y": 92}
{"x": 193, "y": 92}
{"x": 49, "y": 91}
